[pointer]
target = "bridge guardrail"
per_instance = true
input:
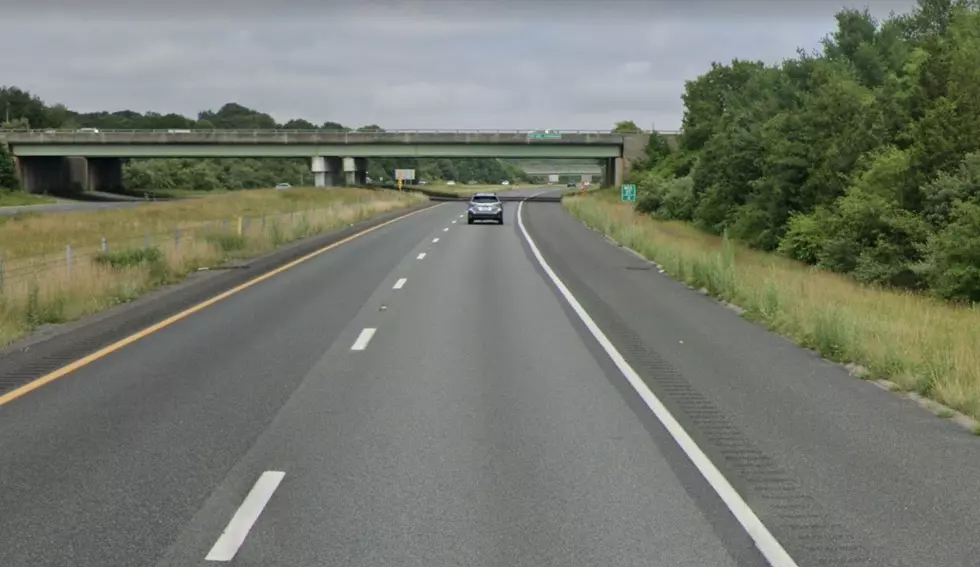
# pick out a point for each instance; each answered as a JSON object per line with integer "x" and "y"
{"x": 194, "y": 131}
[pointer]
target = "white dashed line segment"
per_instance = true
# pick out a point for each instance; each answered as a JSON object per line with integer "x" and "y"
{"x": 400, "y": 283}
{"x": 363, "y": 339}
{"x": 234, "y": 535}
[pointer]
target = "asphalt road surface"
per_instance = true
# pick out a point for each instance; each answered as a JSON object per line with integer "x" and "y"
{"x": 425, "y": 395}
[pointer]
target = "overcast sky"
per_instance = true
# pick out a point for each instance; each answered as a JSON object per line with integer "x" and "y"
{"x": 564, "y": 64}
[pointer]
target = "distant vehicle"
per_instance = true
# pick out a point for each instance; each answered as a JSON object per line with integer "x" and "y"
{"x": 471, "y": 182}
{"x": 88, "y": 130}
{"x": 505, "y": 182}
{"x": 485, "y": 206}
{"x": 283, "y": 186}
{"x": 450, "y": 182}
{"x": 570, "y": 184}
{"x": 179, "y": 131}
{"x": 421, "y": 182}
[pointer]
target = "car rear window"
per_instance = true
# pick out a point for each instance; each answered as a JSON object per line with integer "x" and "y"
{"x": 485, "y": 199}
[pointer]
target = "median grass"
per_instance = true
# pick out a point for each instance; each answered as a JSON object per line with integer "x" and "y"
{"x": 21, "y": 198}
{"x": 58, "y": 267}
{"x": 924, "y": 345}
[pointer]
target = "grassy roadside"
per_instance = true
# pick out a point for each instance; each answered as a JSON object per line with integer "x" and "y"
{"x": 160, "y": 243}
{"x": 21, "y": 198}
{"x": 923, "y": 345}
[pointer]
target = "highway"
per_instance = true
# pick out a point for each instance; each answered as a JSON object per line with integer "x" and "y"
{"x": 427, "y": 395}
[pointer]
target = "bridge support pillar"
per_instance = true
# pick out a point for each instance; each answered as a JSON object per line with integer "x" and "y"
{"x": 325, "y": 171}
{"x": 355, "y": 171}
{"x": 47, "y": 175}
{"x": 77, "y": 174}
{"x": 104, "y": 174}
{"x": 613, "y": 172}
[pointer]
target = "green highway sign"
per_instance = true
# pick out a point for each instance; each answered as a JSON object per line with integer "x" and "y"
{"x": 628, "y": 192}
{"x": 545, "y": 135}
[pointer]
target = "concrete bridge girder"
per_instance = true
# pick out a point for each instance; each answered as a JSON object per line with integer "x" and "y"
{"x": 563, "y": 171}
{"x": 326, "y": 150}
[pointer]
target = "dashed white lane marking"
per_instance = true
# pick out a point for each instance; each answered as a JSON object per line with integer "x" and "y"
{"x": 446, "y": 229}
{"x": 400, "y": 283}
{"x": 454, "y": 222}
{"x": 420, "y": 256}
{"x": 768, "y": 545}
{"x": 363, "y": 339}
{"x": 434, "y": 240}
{"x": 234, "y": 535}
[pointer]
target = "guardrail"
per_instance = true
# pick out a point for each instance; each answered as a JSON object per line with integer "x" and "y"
{"x": 185, "y": 131}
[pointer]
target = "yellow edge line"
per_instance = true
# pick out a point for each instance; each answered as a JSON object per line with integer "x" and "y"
{"x": 105, "y": 351}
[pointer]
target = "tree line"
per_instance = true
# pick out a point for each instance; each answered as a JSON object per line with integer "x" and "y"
{"x": 862, "y": 157}
{"x": 21, "y": 109}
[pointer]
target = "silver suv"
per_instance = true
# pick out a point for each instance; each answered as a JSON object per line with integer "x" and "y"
{"x": 485, "y": 206}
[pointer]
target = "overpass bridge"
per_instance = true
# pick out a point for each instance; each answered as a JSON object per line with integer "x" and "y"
{"x": 50, "y": 160}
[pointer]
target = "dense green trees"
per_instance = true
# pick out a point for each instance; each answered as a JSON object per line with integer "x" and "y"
{"x": 863, "y": 158}
{"x": 23, "y": 110}
{"x": 8, "y": 177}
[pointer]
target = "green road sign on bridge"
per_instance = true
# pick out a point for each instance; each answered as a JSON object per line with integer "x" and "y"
{"x": 544, "y": 135}
{"x": 628, "y": 192}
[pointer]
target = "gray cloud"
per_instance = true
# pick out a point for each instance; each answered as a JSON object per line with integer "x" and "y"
{"x": 567, "y": 64}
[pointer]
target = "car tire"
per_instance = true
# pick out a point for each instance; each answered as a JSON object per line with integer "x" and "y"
{"x": 469, "y": 221}
{"x": 501, "y": 221}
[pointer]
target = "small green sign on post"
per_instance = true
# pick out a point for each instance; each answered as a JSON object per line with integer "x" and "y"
{"x": 628, "y": 192}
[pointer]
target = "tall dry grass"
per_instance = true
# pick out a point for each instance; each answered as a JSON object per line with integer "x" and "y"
{"x": 155, "y": 245}
{"x": 922, "y": 344}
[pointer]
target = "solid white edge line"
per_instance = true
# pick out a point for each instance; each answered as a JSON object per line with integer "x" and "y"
{"x": 420, "y": 256}
{"x": 434, "y": 240}
{"x": 400, "y": 283}
{"x": 234, "y": 535}
{"x": 770, "y": 548}
{"x": 446, "y": 229}
{"x": 363, "y": 339}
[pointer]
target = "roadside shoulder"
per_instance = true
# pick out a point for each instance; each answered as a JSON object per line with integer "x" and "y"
{"x": 795, "y": 434}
